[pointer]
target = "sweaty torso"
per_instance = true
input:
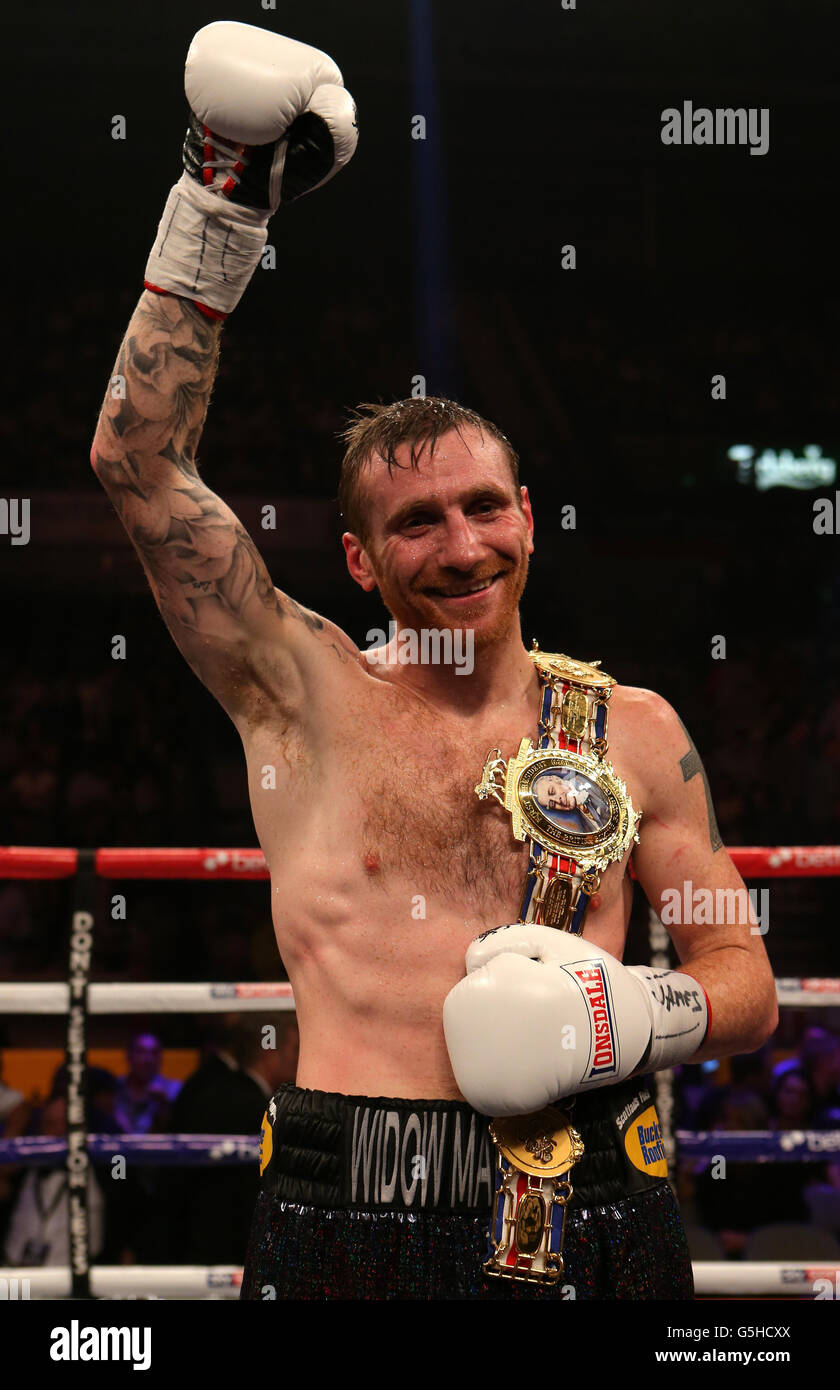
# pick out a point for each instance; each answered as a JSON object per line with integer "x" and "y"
{"x": 385, "y": 865}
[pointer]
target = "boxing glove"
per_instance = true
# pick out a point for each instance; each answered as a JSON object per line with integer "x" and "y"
{"x": 542, "y": 1014}
{"x": 270, "y": 120}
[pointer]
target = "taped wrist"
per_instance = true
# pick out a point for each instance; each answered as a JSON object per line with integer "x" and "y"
{"x": 206, "y": 248}
{"x": 681, "y": 1016}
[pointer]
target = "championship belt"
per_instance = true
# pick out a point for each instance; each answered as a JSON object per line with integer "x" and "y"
{"x": 569, "y": 803}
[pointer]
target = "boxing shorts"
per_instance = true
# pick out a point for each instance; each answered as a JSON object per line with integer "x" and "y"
{"x": 374, "y": 1198}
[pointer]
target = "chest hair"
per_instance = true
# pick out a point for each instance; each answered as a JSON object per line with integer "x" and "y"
{"x": 422, "y": 821}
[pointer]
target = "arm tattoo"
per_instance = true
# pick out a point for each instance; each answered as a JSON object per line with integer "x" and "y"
{"x": 168, "y": 363}
{"x": 690, "y": 765}
{"x": 200, "y": 561}
{"x": 195, "y": 552}
{"x": 203, "y": 567}
{"x": 312, "y": 621}
{"x": 343, "y": 651}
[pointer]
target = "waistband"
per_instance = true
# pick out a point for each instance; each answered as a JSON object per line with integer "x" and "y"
{"x": 368, "y": 1153}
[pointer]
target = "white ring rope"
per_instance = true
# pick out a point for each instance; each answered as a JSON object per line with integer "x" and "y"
{"x": 148, "y": 998}
{"x": 712, "y": 1279}
{"x": 748, "y": 1278}
{"x": 125, "y": 1281}
{"x": 162, "y": 998}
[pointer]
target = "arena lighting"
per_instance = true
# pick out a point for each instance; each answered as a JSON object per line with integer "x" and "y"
{"x": 783, "y": 469}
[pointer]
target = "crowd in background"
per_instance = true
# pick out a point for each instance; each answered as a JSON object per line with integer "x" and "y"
{"x": 799, "y": 1093}
{"x": 272, "y": 418}
{"x": 599, "y": 375}
{"x": 151, "y": 1214}
{"x": 186, "y": 1215}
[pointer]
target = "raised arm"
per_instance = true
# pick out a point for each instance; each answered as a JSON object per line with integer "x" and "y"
{"x": 208, "y": 579}
{"x": 269, "y": 121}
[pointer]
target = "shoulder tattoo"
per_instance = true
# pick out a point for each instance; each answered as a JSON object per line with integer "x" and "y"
{"x": 690, "y": 765}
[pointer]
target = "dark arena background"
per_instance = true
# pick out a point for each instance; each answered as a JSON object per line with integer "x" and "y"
{"x": 654, "y": 327}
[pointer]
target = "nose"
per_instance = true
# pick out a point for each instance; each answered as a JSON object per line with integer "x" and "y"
{"x": 460, "y": 548}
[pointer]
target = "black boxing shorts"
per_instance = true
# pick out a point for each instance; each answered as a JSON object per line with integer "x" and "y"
{"x": 375, "y": 1198}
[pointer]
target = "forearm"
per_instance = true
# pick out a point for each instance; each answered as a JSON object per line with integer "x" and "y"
{"x": 207, "y": 577}
{"x": 158, "y": 397}
{"x": 742, "y": 993}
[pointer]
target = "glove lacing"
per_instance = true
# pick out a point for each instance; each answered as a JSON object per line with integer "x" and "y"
{"x": 211, "y": 160}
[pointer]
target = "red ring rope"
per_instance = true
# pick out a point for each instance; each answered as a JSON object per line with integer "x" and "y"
{"x": 796, "y": 861}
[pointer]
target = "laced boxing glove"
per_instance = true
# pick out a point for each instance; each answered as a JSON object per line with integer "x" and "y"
{"x": 542, "y": 1015}
{"x": 270, "y": 120}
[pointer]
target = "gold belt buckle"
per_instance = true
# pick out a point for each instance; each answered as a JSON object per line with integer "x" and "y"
{"x": 534, "y": 1156}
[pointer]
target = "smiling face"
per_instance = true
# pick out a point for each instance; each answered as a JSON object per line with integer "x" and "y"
{"x": 448, "y": 542}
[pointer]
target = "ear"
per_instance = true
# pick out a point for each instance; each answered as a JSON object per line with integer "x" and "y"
{"x": 529, "y": 517}
{"x": 358, "y": 562}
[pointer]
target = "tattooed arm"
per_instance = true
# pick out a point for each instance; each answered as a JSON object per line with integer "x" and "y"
{"x": 691, "y": 882}
{"x": 239, "y": 635}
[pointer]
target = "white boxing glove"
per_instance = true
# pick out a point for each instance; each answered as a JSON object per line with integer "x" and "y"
{"x": 542, "y": 1014}
{"x": 269, "y": 121}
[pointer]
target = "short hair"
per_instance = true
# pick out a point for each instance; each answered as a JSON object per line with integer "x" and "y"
{"x": 799, "y": 1073}
{"x": 381, "y": 429}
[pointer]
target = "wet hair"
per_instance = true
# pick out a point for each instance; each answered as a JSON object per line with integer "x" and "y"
{"x": 381, "y": 429}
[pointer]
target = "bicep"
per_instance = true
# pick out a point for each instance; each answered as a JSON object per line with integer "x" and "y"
{"x": 209, "y": 581}
{"x": 681, "y": 862}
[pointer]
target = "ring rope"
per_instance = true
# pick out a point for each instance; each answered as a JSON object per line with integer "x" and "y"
{"x": 194, "y": 1150}
{"x": 147, "y": 1150}
{"x": 712, "y": 1279}
{"x": 165, "y": 998}
{"x": 17, "y": 861}
{"x": 149, "y": 998}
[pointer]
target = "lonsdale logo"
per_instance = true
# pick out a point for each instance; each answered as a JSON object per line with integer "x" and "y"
{"x": 593, "y": 982}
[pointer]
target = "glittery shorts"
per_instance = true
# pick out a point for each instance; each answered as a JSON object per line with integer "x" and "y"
{"x": 342, "y": 1214}
{"x": 631, "y": 1249}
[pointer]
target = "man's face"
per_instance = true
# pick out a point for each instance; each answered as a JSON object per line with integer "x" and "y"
{"x": 449, "y": 541}
{"x": 144, "y": 1059}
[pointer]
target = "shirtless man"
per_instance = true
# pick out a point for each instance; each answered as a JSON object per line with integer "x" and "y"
{"x": 385, "y": 865}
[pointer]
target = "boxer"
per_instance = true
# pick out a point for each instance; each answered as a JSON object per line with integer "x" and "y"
{"x": 387, "y": 870}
